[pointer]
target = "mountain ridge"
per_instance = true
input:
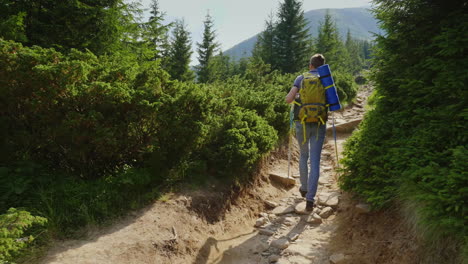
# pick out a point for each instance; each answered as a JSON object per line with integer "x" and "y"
{"x": 359, "y": 20}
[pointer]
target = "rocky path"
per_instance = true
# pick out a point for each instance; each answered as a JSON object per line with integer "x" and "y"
{"x": 265, "y": 224}
{"x": 284, "y": 232}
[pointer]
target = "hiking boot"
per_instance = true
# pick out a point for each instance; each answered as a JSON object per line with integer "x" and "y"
{"x": 303, "y": 193}
{"x": 309, "y": 206}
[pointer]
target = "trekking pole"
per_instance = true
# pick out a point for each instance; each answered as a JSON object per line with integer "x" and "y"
{"x": 336, "y": 145}
{"x": 291, "y": 117}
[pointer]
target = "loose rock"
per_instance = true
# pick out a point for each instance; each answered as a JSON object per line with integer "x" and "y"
{"x": 314, "y": 219}
{"x": 271, "y": 204}
{"x": 281, "y": 210}
{"x": 288, "y": 221}
{"x": 266, "y": 232}
{"x": 293, "y": 236}
{"x": 301, "y": 208}
{"x": 281, "y": 243}
{"x": 328, "y": 199}
{"x": 326, "y": 212}
{"x": 261, "y": 221}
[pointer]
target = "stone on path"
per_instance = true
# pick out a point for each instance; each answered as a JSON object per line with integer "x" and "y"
{"x": 337, "y": 258}
{"x": 288, "y": 221}
{"x": 282, "y": 210}
{"x": 314, "y": 219}
{"x": 261, "y": 221}
{"x": 323, "y": 181}
{"x": 301, "y": 208}
{"x": 326, "y": 212}
{"x": 293, "y": 236}
{"x": 281, "y": 243}
{"x": 266, "y": 232}
{"x": 271, "y": 204}
{"x": 329, "y": 199}
{"x": 363, "y": 208}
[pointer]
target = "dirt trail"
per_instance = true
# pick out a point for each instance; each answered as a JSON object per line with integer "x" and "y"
{"x": 215, "y": 227}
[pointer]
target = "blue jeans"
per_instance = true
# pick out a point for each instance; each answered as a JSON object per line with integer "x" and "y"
{"x": 312, "y": 147}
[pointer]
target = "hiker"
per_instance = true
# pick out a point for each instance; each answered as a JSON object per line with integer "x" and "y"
{"x": 310, "y": 128}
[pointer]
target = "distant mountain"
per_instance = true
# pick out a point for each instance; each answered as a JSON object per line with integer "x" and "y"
{"x": 359, "y": 21}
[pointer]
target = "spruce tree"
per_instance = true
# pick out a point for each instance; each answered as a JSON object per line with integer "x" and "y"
{"x": 180, "y": 53}
{"x": 292, "y": 42}
{"x": 264, "y": 47}
{"x": 156, "y": 33}
{"x": 206, "y": 50}
{"x": 99, "y": 26}
{"x": 355, "y": 56}
{"x": 330, "y": 45}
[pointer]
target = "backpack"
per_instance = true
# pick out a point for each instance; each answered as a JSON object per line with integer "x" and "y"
{"x": 311, "y": 107}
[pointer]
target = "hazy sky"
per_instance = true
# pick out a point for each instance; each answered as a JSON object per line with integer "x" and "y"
{"x": 234, "y": 20}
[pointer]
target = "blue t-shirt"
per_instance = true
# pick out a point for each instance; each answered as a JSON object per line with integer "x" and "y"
{"x": 299, "y": 78}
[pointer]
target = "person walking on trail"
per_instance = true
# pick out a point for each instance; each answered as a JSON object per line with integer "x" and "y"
{"x": 310, "y": 116}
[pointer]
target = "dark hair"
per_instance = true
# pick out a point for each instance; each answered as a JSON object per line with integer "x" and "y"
{"x": 317, "y": 60}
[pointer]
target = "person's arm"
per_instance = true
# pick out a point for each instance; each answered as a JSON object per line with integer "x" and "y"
{"x": 291, "y": 95}
{"x": 295, "y": 89}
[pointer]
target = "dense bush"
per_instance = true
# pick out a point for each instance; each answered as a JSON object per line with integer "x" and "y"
{"x": 76, "y": 112}
{"x": 345, "y": 85}
{"x": 412, "y": 146}
{"x": 88, "y": 137}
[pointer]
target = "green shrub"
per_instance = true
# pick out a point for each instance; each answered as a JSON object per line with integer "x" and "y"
{"x": 243, "y": 140}
{"x": 412, "y": 147}
{"x": 345, "y": 85}
{"x": 76, "y": 112}
{"x": 17, "y": 232}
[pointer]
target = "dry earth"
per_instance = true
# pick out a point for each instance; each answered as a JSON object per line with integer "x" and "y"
{"x": 216, "y": 226}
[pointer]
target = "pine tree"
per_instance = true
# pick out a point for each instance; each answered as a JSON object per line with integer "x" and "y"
{"x": 355, "y": 56}
{"x": 264, "y": 47}
{"x": 156, "y": 33}
{"x": 180, "y": 53}
{"x": 206, "y": 50}
{"x": 292, "y": 42}
{"x": 222, "y": 67}
{"x": 78, "y": 24}
{"x": 330, "y": 45}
